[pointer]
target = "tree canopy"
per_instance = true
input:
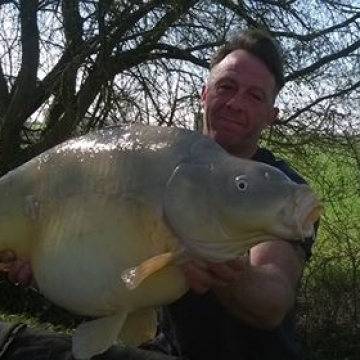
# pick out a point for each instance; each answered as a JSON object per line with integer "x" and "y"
{"x": 73, "y": 65}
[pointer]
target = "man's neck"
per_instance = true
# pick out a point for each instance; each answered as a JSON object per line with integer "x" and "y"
{"x": 244, "y": 153}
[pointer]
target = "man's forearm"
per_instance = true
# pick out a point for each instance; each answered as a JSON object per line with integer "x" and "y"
{"x": 261, "y": 297}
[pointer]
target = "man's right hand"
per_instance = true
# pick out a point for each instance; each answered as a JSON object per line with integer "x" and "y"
{"x": 201, "y": 277}
{"x": 19, "y": 270}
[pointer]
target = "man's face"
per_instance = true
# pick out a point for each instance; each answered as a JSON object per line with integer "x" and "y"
{"x": 238, "y": 102}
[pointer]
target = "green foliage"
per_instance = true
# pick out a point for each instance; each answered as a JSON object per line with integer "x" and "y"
{"x": 330, "y": 290}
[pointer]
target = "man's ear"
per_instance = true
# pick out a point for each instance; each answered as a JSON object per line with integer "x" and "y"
{"x": 203, "y": 94}
{"x": 273, "y": 115}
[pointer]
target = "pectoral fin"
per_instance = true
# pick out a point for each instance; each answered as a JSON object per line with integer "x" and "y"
{"x": 139, "y": 327}
{"x": 134, "y": 276}
{"x": 96, "y": 336}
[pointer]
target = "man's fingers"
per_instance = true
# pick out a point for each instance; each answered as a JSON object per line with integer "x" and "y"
{"x": 7, "y": 256}
{"x": 230, "y": 270}
{"x": 224, "y": 272}
{"x": 201, "y": 276}
{"x": 20, "y": 272}
{"x": 199, "y": 279}
{"x": 241, "y": 263}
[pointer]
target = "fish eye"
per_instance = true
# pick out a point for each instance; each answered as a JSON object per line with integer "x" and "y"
{"x": 241, "y": 182}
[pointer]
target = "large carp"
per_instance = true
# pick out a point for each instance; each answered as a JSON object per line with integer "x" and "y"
{"x": 105, "y": 220}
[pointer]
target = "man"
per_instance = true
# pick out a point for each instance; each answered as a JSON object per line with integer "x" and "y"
{"x": 241, "y": 309}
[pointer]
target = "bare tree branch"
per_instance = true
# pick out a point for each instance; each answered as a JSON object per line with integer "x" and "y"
{"x": 98, "y": 43}
{"x": 323, "y": 61}
{"x": 4, "y": 94}
{"x": 25, "y": 84}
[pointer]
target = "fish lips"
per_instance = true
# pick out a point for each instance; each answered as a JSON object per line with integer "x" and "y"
{"x": 307, "y": 212}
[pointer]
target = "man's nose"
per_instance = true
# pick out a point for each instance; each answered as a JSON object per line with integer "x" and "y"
{"x": 236, "y": 101}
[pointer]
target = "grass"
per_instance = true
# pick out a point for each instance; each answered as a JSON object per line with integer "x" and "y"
{"x": 19, "y": 304}
{"x": 328, "y": 322}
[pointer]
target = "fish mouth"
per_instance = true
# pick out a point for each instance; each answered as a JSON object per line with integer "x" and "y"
{"x": 307, "y": 213}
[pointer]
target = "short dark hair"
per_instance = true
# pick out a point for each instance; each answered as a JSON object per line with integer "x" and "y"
{"x": 258, "y": 43}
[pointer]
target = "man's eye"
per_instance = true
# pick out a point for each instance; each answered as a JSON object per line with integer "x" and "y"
{"x": 256, "y": 96}
{"x": 225, "y": 86}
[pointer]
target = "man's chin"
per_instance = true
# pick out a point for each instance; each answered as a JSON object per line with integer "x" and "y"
{"x": 227, "y": 141}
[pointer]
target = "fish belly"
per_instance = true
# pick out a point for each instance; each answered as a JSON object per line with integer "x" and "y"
{"x": 85, "y": 244}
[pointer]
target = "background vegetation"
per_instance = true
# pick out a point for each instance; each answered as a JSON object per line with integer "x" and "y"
{"x": 70, "y": 66}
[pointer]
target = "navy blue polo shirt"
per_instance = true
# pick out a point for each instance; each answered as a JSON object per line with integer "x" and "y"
{"x": 198, "y": 327}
